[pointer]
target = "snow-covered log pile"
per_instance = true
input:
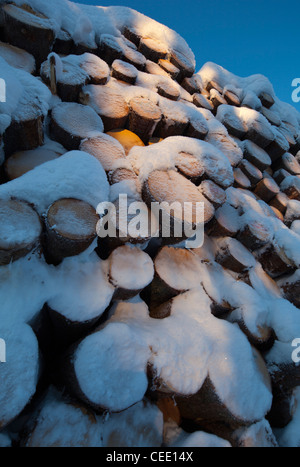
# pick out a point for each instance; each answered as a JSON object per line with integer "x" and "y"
{"x": 142, "y": 340}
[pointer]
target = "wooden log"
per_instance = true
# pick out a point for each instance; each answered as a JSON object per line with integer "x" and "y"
{"x": 126, "y": 138}
{"x": 228, "y": 146}
{"x": 280, "y": 202}
{"x": 134, "y": 57}
{"x": 154, "y": 69}
{"x": 19, "y": 373}
{"x": 256, "y": 155}
{"x": 266, "y": 99}
{"x": 278, "y": 146}
{"x": 291, "y": 288}
{"x": 174, "y": 121}
{"x": 71, "y": 123}
{"x": 201, "y": 101}
{"x": 143, "y": 117}
{"x": 261, "y": 133}
{"x": 291, "y": 188}
{"x": 153, "y": 49}
{"x": 172, "y": 277}
{"x": 288, "y": 163}
{"x": 234, "y": 124}
{"x": 231, "y": 254}
{"x": 215, "y": 194}
{"x": 107, "y": 150}
{"x": 189, "y": 166}
{"x": 216, "y": 99}
{"x": 20, "y": 228}
{"x": 170, "y": 187}
{"x": 17, "y": 57}
{"x": 254, "y": 235}
{"x": 124, "y": 72}
{"x": 232, "y": 98}
{"x": 241, "y": 180}
{"x": 274, "y": 261}
{"x": 119, "y": 175}
{"x": 28, "y": 29}
{"x": 212, "y": 84}
{"x": 25, "y": 133}
{"x": 171, "y": 69}
{"x": 184, "y": 64}
{"x": 267, "y": 189}
{"x": 292, "y": 213}
{"x": 130, "y": 271}
{"x": 168, "y": 90}
{"x": 278, "y": 214}
{"x": 281, "y": 175}
{"x": 225, "y": 223}
{"x": 108, "y": 103}
{"x": 22, "y": 162}
{"x": 63, "y": 43}
{"x": 271, "y": 116}
{"x": 197, "y": 128}
{"x": 110, "y": 49}
{"x": 70, "y": 229}
{"x": 252, "y": 172}
{"x": 132, "y": 35}
{"x": 191, "y": 85}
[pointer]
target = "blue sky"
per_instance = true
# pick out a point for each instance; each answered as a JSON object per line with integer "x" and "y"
{"x": 246, "y": 37}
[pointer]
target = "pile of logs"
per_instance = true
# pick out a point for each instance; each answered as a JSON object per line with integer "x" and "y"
{"x": 102, "y": 109}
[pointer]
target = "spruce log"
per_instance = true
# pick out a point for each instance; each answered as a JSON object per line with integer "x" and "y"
{"x": 216, "y": 99}
{"x": 71, "y": 123}
{"x": 232, "y": 98}
{"x": 266, "y": 99}
{"x": 126, "y": 138}
{"x": 280, "y": 202}
{"x": 132, "y": 35}
{"x": 107, "y": 150}
{"x": 175, "y": 273}
{"x": 171, "y": 69}
{"x": 256, "y": 155}
{"x": 169, "y": 90}
{"x": 291, "y": 288}
{"x": 174, "y": 121}
{"x": 70, "y": 229}
{"x": 123, "y": 71}
{"x": 201, "y": 101}
{"x": 154, "y": 69}
{"x": 274, "y": 261}
{"x": 281, "y": 175}
{"x": 170, "y": 187}
{"x": 191, "y": 85}
{"x": 278, "y": 146}
{"x": 197, "y": 128}
{"x": 252, "y": 172}
{"x": 189, "y": 166}
{"x": 271, "y": 116}
{"x": 231, "y": 254}
{"x": 225, "y": 223}
{"x": 289, "y": 163}
{"x": 109, "y": 104}
{"x": 184, "y": 64}
{"x": 130, "y": 271}
{"x": 153, "y": 49}
{"x": 134, "y": 57}
{"x": 22, "y": 162}
{"x": 110, "y": 49}
{"x": 215, "y": 194}
{"x": 20, "y": 230}
{"x": 241, "y": 180}
{"x": 24, "y": 134}
{"x": 17, "y": 57}
{"x": 267, "y": 189}
{"x": 143, "y": 117}
{"x": 28, "y": 29}
{"x": 254, "y": 235}
{"x": 292, "y": 213}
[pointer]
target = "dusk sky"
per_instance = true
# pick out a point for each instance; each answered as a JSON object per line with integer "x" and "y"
{"x": 245, "y": 37}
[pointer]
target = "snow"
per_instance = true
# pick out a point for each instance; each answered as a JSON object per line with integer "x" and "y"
{"x": 164, "y": 345}
{"x": 199, "y": 439}
{"x": 288, "y": 437}
{"x": 19, "y": 375}
{"x": 76, "y": 174}
{"x": 78, "y": 120}
{"x": 162, "y": 156}
{"x": 60, "y": 423}
{"x": 19, "y": 225}
{"x": 17, "y": 58}
{"x": 127, "y": 258}
{"x": 26, "y": 96}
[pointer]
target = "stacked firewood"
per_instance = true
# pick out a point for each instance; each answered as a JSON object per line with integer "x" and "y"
{"x": 191, "y": 333}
